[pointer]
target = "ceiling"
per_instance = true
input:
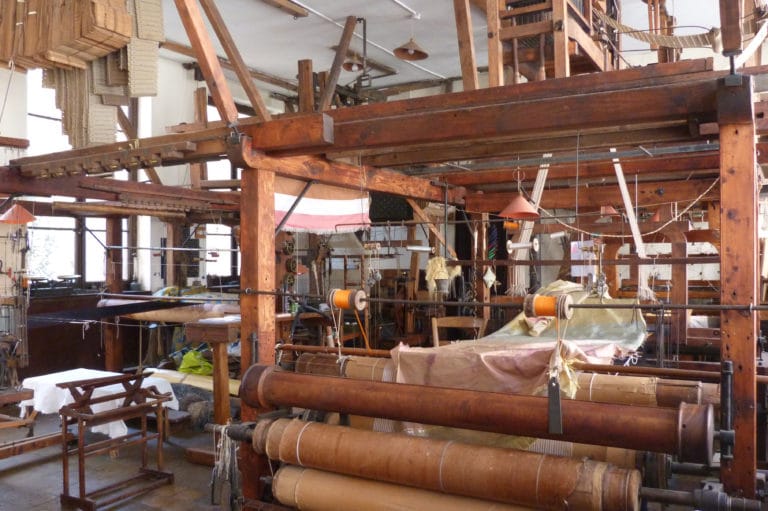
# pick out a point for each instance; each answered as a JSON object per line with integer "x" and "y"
{"x": 273, "y": 41}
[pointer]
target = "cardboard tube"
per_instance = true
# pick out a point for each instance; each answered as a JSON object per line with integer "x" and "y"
{"x": 488, "y": 473}
{"x": 644, "y": 390}
{"x": 315, "y": 490}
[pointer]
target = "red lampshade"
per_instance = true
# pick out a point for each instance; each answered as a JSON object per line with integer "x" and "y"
{"x": 17, "y": 215}
{"x": 520, "y": 209}
{"x": 608, "y": 211}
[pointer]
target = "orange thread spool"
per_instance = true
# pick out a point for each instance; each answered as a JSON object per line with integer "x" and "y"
{"x": 347, "y": 299}
{"x": 550, "y": 306}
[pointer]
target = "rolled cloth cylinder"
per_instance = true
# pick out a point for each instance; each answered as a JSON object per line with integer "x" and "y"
{"x": 320, "y": 363}
{"x": 644, "y": 390}
{"x": 315, "y": 490}
{"x": 502, "y": 475}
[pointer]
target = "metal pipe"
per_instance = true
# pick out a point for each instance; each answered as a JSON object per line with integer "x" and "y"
{"x": 666, "y": 372}
{"x": 704, "y": 500}
{"x": 687, "y": 431}
{"x": 414, "y": 13}
{"x": 360, "y": 352}
{"x": 491, "y": 473}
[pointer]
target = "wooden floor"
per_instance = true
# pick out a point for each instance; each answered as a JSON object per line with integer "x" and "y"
{"x": 33, "y": 481}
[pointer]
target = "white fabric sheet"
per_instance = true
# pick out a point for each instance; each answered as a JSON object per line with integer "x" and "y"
{"x": 49, "y": 398}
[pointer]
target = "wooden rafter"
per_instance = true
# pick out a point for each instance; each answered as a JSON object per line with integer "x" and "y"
{"x": 341, "y": 53}
{"x": 241, "y": 70}
{"x": 190, "y": 15}
{"x": 495, "y": 48}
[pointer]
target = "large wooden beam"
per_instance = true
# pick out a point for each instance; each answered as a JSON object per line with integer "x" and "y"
{"x": 739, "y": 275}
{"x": 615, "y": 110}
{"x": 207, "y": 58}
{"x": 205, "y": 144}
{"x": 241, "y": 70}
{"x": 466, "y": 44}
{"x": 345, "y": 175}
{"x": 647, "y": 194}
{"x": 338, "y": 60}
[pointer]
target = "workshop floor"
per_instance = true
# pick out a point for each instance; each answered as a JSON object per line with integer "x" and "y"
{"x": 33, "y": 481}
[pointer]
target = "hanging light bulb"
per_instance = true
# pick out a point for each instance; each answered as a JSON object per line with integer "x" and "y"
{"x": 353, "y": 63}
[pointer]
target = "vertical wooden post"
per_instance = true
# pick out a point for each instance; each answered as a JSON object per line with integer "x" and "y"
{"x": 306, "y": 87}
{"x": 257, "y": 311}
{"x": 412, "y": 284}
{"x": 257, "y": 248}
{"x": 113, "y": 346}
{"x": 738, "y": 273}
{"x": 466, "y": 44}
{"x": 560, "y": 22}
{"x": 480, "y": 251}
{"x": 495, "y": 50}
{"x": 175, "y": 270}
{"x": 199, "y": 171}
{"x": 679, "y": 291}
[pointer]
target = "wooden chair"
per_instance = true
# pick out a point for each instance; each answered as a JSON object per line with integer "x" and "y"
{"x": 476, "y": 325}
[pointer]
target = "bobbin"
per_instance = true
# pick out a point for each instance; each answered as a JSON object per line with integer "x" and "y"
{"x": 532, "y": 245}
{"x": 348, "y": 299}
{"x": 539, "y": 305}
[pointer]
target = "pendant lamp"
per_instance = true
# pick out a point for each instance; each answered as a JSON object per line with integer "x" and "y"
{"x": 17, "y": 215}
{"x": 608, "y": 211}
{"x": 520, "y": 209}
{"x": 353, "y": 63}
{"x": 410, "y": 51}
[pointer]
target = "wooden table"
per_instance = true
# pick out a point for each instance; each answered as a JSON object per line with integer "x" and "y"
{"x": 218, "y": 332}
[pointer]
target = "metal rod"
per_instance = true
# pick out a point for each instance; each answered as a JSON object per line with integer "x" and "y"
{"x": 518, "y": 303}
{"x": 664, "y": 372}
{"x": 705, "y": 259}
{"x": 175, "y": 249}
{"x": 290, "y": 211}
{"x": 361, "y": 352}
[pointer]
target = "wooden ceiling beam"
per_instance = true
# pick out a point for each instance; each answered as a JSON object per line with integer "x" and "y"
{"x": 521, "y": 147}
{"x": 12, "y": 182}
{"x": 692, "y": 163}
{"x": 291, "y": 8}
{"x": 345, "y": 175}
{"x": 261, "y": 76}
{"x": 200, "y": 145}
{"x": 648, "y": 194}
{"x": 241, "y": 70}
{"x": 613, "y": 110}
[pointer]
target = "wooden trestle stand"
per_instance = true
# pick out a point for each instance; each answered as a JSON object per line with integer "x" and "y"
{"x": 137, "y": 402}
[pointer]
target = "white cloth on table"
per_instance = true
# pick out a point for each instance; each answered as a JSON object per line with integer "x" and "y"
{"x": 49, "y": 398}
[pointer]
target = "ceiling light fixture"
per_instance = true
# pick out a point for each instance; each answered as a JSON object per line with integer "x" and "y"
{"x": 410, "y": 51}
{"x": 519, "y": 208}
{"x": 353, "y": 63}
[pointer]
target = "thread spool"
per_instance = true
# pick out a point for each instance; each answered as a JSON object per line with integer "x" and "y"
{"x": 551, "y": 306}
{"x": 510, "y": 225}
{"x": 347, "y": 299}
{"x": 533, "y": 245}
